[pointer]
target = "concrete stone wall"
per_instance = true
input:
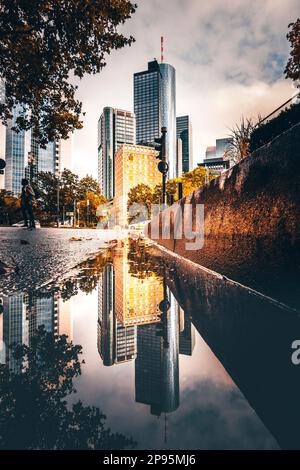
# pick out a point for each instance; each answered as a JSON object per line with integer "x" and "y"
{"x": 252, "y": 219}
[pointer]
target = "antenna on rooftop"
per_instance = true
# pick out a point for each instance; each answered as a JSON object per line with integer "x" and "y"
{"x": 162, "y": 49}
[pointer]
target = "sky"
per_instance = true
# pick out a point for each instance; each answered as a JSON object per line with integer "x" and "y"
{"x": 229, "y": 57}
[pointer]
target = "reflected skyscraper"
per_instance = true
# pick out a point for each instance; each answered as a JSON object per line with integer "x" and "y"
{"x": 155, "y": 106}
{"x": 24, "y": 313}
{"x": 15, "y": 328}
{"x": 186, "y": 334}
{"x": 139, "y": 318}
{"x": 116, "y": 342}
{"x": 42, "y": 310}
{"x": 157, "y": 363}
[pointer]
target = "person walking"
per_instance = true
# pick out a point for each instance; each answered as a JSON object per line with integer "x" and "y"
{"x": 24, "y": 183}
{"x": 27, "y": 200}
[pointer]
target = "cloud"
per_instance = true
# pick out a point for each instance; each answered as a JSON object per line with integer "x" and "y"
{"x": 229, "y": 58}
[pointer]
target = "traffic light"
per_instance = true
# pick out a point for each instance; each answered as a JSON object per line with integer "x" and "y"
{"x": 2, "y": 166}
{"x": 160, "y": 146}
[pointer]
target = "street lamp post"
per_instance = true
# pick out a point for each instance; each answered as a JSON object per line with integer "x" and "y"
{"x": 87, "y": 211}
{"x": 30, "y": 158}
{"x": 74, "y": 214}
{"x": 58, "y": 198}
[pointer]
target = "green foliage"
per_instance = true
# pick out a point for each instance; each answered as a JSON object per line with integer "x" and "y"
{"x": 72, "y": 193}
{"x": 143, "y": 194}
{"x": 240, "y": 134}
{"x": 194, "y": 179}
{"x": 34, "y": 413}
{"x": 267, "y": 131}
{"x": 88, "y": 185}
{"x": 171, "y": 191}
{"x": 292, "y": 69}
{"x": 9, "y": 208}
{"x": 42, "y": 44}
{"x": 140, "y": 194}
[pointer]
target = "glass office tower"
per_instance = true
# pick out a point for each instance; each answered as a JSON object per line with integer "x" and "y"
{"x": 115, "y": 128}
{"x": 184, "y": 132}
{"x": 155, "y": 107}
{"x": 222, "y": 145}
{"x": 16, "y": 151}
{"x": 18, "y": 145}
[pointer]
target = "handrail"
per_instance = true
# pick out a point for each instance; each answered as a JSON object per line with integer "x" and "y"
{"x": 277, "y": 109}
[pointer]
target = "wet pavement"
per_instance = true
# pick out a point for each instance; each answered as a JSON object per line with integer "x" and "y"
{"x": 176, "y": 357}
{"x": 34, "y": 258}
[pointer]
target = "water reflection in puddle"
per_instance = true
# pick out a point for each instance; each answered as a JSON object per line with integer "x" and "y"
{"x": 147, "y": 367}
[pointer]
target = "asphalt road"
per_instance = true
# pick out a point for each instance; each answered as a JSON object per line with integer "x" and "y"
{"x": 33, "y": 258}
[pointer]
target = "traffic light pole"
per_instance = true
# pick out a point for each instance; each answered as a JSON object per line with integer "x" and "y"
{"x": 164, "y": 192}
{"x": 163, "y": 166}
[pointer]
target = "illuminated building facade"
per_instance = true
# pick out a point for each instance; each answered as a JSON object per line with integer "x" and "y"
{"x": 137, "y": 299}
{"x": 134, "y": 164}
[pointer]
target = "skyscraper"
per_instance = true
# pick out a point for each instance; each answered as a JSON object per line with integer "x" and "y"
{"x": 222, "y": 145}
{"x": 115, "y": 128}
{"x": 155, "y": 107}
{"x": 16, "y": 152}
{"x": 184, "y": 132}
{"x": 18, "y": 146}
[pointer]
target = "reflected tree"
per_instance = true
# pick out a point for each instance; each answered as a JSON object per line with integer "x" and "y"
{"x": 34, "y": 408}
{"x": 140, "y": 260}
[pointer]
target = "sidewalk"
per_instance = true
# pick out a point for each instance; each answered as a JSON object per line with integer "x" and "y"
{"x": 33, "y": 258}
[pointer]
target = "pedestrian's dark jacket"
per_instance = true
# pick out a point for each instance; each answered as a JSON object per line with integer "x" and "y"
{"x": 27, "y": 195}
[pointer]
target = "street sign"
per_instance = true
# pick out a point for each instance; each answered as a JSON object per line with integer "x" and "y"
{"x": 2, "y": 164}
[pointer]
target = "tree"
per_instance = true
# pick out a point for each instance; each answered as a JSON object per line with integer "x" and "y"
{"x": 46, "y": 185}
{"x": 88, "y": 185}
{"x": 68, "y": 189}
{"x": 88, "y": 208}
{"x": 140, "y": 194}
{"x": 34, "y": 410}
{"x": 240, "y": 134}
{"x": 43, "y": 43}
{"x": 9, "y": 208}
{"x": 85, "y": 194}
{"x": 292, "y": 69}
{"x": 194, "y": 179}
{"x": 171, "y": 191}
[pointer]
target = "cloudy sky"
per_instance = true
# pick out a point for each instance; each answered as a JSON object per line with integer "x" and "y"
{"x": 229, "y": 57}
